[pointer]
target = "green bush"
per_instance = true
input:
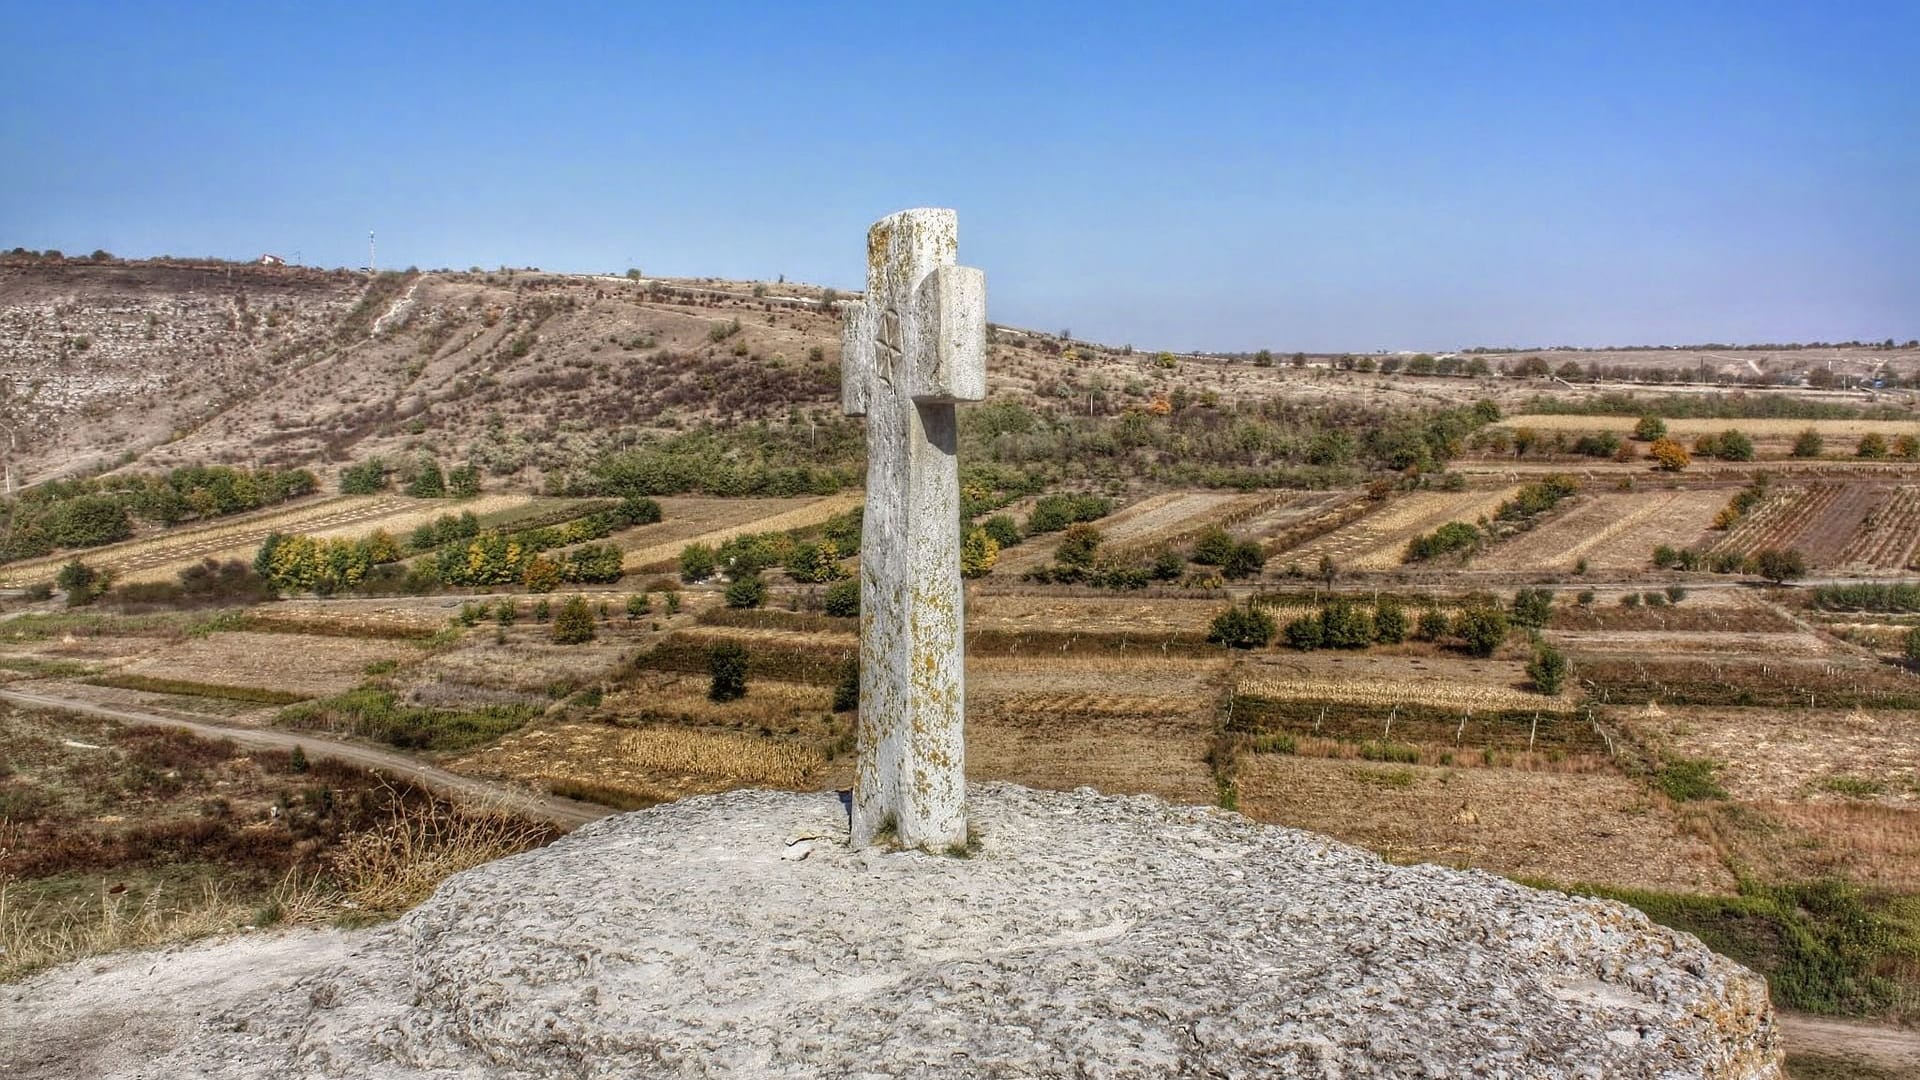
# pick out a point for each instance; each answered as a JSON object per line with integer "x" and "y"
{"x": 1650, "y": 428}
{"x": 1344, "y": 625}
{"x": 1454, "y": 536}
{"x": 1533, "y": 607}
{"x": 727, "y": 667}
{"x": 428, "y": 481}
{"x": 1780, "y": 565}
{"x": 1689, "y": 779}
{"x": 1003, "y": 529}
{"x": 846, "y": 691}
{"x": 574, "y": 624}
{"x": 82, "y": 583}
{"x": 1168, "y": 565}
{"x": 697, "y": 563}
{"x": 843, "y": 599}
{"x": 1547, "y": 669}
{"x": 1432, "y": 625}
{"x": 1389, "y": 622}
{"x": 638, "y": 605}
{"x": 1808, "y": 444}
{"x": 1213, "y": 548}
{"x": 1305, "y": 633}
{"x": 1051, "y": 513}
{"x": 1241, "y": 627}
{"x": 366, "y": 478}
{"x": 747, "y": 591}
{"x": 1482, "y": 629}
{"x": 1246, "y": 560}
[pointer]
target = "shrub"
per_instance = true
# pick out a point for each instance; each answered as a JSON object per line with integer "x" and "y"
{"x": 1872, "y": 445}
{"x": 428, "y": 481}
{"x": 463, "y": 481}
{"x": 1585, "y": 599}
{"x": 1734, "y": 445}
{"x": 1454, "y": 536}
{"x": 846, "y": 691}
{"x": 815, "y": 562}
{"x": 843, "y": 599}
{"x": 727, "y": 666}
{"x": 697, "y": 563}
{"x": 1432, "y": 625}
{"x": 746, "y": 591}
{"x": 1780, "y": 565}
{"x": 1913, "y": 645}
{"x": 542, "y": 575}
{"x": 1245, "y": 560}
{"x": 1689, "y": 779}
{"x": 638, "y": 605}
{"x": 1671, "y": 455}
{"x": 1547, "y": 669}
{"x": 1676, "y": 593}
{"x": 1664, "y": 556}
{"x": 1079, "y": 546}
{"x": 1051, "y": 513}
{"x": 82, "y": 583}
{"x": 1631, "y": 600}
{"x": 1305, "y": 633}
{"x": 1533, "y": 607}
{"x": 1241, "y": 627}
{"x": 542, "y": 610}
{"x": 1650, "y": 428}
{"x": 1168, "y": 565}
{"x": 1482, "y": 629}
{"x": 365, "y": 478}
{"x": 979, "y": 552}
{"x": 1213, "y": 548}
{"x": 574, "y": 624}
{"x": 1808, "y": 444}
{"x": 1389, "y": 623}
{"x": 1003, "y": 530}
{"x": 1344, "y": 625}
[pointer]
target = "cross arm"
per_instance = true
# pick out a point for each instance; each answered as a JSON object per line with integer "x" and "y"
{"x": 951, "y": 303}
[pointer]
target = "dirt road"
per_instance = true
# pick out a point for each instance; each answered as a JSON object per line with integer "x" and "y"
{"x": 1894, "y": 1051}
{"x": 567, "y": 813}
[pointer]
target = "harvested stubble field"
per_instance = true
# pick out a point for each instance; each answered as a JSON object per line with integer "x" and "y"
{"x": 1384, "y": 678}
{"x": 1703, "y": 609}
{"x": 1171, "y": 520}
{"x": 307, "y": 665}
{"x": 1012, "y": 614}
{"x": 1378, "y": 541}
{"x": 1690, "y": 642}
{"x": 1886, "y": 537}
{"x": 651, "y": 696}
{"x": 1564, "y": 827}
{"x": 1765, "y": 679}
{"x": 688, "y": 520}
{"x": 1122, "y": 725}
{"x": 1611, "y": 531}
{"x": 652, "y": 764}
{"x": 1817, "y": 755}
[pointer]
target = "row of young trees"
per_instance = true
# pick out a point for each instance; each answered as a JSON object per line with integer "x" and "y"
{"x": 420, "y": 477}
{"x": 79, "y": 514}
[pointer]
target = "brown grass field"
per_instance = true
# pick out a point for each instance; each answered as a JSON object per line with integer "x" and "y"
{"x": 1816, "y": 755}
{"x": 1565, "y": 827}
{"x": 1612, "y": 531}
{"x": 309, "y": 665}
{"x": 1689, "y": 428}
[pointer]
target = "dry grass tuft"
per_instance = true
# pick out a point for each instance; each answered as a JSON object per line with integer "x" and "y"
{"x": 396, "y": 866}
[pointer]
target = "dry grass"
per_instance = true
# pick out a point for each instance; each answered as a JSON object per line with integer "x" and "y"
{"x": 1688, "y": 428}
{"x": 656, "y": 696}
{"x": 299, "y": 665}
{"x": 1611, "y": 531}
{"x": 1014, "y": 613}
{"x": 399, "y": 864}
{"x": 1594, "y": 827}
{"x": 716, "y": 753}
{"x": 661, "y": 554}
{"x": 1781, "y": 755}
{"x": 1439, "y": 693}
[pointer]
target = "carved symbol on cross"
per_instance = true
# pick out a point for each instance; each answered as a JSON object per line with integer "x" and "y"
{"x": 913, "y": 347}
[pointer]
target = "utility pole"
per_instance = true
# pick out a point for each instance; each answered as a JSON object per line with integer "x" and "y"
{"x": 371, "y": 268}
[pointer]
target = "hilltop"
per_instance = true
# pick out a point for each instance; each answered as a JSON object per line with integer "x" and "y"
{"x": 532, "y": 375}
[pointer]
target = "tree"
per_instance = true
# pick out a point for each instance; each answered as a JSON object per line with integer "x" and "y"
{"x": 1872, "y": 445}
{"x": 1305, "y": 633}
{"x": 542, "y": 575}
{"x": 463, "y": 481}
{"x": 746, "y": 591}
{"x": 1241, "y": 627}
{"x": 365, "y": 478}
{"x": 1079, "y": 546}
{"x": 1671, "y": 455}
{"x": 1213, "y": 547}
{"x": 574, "y": 623}
{"x": 1734, "y": 445}
{"x": 1168, "y": 565}
{"x": 1547, "y": 669}
{"x": 1389, "y": 622}
{"x": 1650, "y": 428}
{"x": 1780, "y": 565}
{"x": 1245, "y": 560}
{"x": 1344, "y": 625}
{"x": 843, "y": 599}
{"x": 1913, "y": 645}
{"x": 1432, "y": 625}
{"x": 428, "y": 481}
{"x": 727, "y": 666}
{"x": 1906, "y": 448}
{"x": 1808, "y": 444}
{"x": 1482, "y": 628}
{"x": 697, "y": 563}
{"x": 978, "y": 552}
{"x": 82, "y": 583}
{"x": 1533, "y": 607}
{"x": 639, "y": 604}
{"x": 846, "y": 692}
{"x": 1003, "y": 529}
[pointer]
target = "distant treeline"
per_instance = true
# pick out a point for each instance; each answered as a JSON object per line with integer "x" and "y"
{"x": 87, "y": 513}
{"x": 1715, "y": 407}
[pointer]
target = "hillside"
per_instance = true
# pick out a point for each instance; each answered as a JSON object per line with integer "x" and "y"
{"x": 531, "y": 374}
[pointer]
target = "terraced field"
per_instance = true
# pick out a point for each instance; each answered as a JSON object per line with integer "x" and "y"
{"x": 1822, "y": 521}
{"x": 1174, "y": 519}
{"x": 715, "y": 521}
{"x": 162, "y": 555}
{"x": 1379, "y": 539}
{"x": 1887, "y": 536}
{"x": 1611, "y": 531}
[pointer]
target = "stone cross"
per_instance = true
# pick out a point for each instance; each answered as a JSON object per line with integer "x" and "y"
{"x": 913, "y": 348}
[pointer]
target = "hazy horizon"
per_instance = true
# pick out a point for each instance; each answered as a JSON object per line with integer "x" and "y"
{"x": 1327, "y": 179}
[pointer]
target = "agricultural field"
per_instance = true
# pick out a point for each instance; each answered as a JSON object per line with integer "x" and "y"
{"x": 1378, "y": 541}
{"x": 1610, "y": 530}
{"x": 161, "y": 556}
{"x": 1771, "y": 437}
{"x": 690, "y": 520}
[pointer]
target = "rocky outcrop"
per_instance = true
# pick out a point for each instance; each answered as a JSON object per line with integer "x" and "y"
{"x": 1084, "y": 935}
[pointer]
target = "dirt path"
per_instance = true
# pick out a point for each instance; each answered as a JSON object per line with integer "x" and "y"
{"x": 567, "y": 813}
{"x": 1893, "y": 1050}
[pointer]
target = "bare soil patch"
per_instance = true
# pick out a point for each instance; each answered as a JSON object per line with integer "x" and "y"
{"x": 1612, "y": 531}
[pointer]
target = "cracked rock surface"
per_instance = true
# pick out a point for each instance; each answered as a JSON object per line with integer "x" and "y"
{"x": 1088, "y": 935}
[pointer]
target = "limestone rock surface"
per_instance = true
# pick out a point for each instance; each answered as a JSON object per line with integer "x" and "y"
{"x": 1086, "y": 935}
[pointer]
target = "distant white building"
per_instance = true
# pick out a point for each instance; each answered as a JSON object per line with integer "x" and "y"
{"x": 272, "y": 260}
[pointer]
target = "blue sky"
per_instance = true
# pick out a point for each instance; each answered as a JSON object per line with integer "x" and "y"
{"x": 1286, "y": 175}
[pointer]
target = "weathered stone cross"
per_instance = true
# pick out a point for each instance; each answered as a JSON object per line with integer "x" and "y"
{"x": 913, "y": 348}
